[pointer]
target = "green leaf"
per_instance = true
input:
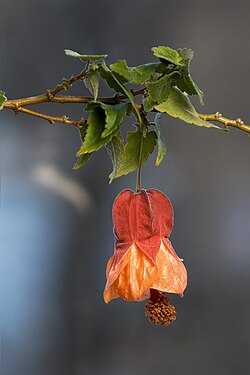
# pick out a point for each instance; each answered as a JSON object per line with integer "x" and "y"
{"x": 186, "y": 82}
{"x": 68, "y": 52}
{"x": 159, "y": 90}
{"x": 148, "y": 104}
{"x": 111, "y": 78}
{"x": 91, "y": 106}
{"x": 137, "y": 147}
{"x": 160, "y": 140}
{"x": 187, "y": 55}
{"x": 82, "y": 132}
{"x": 106, "y": 74}
{"x": 168, "y": 54}
{"x": 93, "y": 140}
{"x": 137, "y": 75}
{"x": 114, "y": 117}
{"x": 2, "y": 99}
{"x": 92, "y": 83}
{"x": 115, "y": 149}
{"x": 178, "y": 105}
{"x": 82, "y": 160}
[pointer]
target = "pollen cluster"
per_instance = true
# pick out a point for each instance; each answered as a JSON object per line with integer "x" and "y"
{"x": 159, "y": 311}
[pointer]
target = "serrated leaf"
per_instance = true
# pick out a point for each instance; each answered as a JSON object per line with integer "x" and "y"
{"x": 92, "y": 83}
{"x": 178, "y": 105}
{"x": 82, "y": 132}
{"x": 115, "y": 149}
{"x": 106, "y": 74}
{"x": 93, "y": 140}
{"x": 137, "y": 75}
{"x": 168, "y": 54}
{"x": 82, "y": 160}
{"x": 71, "y": 53}
{"x": 2, "y": 99}
{"x": 159, "y": 90}
{"x": 160, "y": 140}
{"x": 187, "y": 54}
{"x": 91, "y": 106}
{"x": 162, "y": 68}
{"x": 137, "y": 148}
{"x": 114, "y": 117}
{"x": 111, "y": 78}
{"x": 186, "y": 82}
{"x": 148, "y": 104}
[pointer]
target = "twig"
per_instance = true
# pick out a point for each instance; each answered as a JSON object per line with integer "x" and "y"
{"x": 51, "y": 96}
{"x": 67, "y": 83}
{"x": 63, "y": 99}
{"x": 217, "y": 117}
{"x": 52, "y": 119}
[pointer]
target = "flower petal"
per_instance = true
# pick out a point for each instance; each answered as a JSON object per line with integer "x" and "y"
{"x": 136, "y": 220}
{"x": 131, "y": 278}
{"x": 165, "y": 211}
{"x": 121, "y": 216}
{"x": 172, "y": 274}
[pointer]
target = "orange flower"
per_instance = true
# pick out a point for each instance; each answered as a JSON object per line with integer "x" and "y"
{"x": 144, "y": 264}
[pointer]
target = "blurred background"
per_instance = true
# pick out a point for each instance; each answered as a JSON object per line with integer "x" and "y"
{"x": 56, "y": 225}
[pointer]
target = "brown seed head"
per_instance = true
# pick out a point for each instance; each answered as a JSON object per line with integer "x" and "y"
{"x": 159, "y": 311}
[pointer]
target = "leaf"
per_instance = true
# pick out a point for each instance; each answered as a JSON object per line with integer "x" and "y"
{"x": 106, "y": 74}
{"x": 160, "y": 140}
{"x": 189, "y": 86}
{"x": 168, "y": 54}
{"x": 113, "y": 81}
{"x": 137, "y": 147}
{"x": 91, "y": 106}
{"x": 115, "y": 149}
{"x": 187, "y": 54}
{"x": 92, "y": 83}
{"x": 159, "y": 90}
{"x": 178, "y": 105}
{"x": 148, "y": 104}
{"x": 82, "y": 160}
{"x": 2, "y": 99}
{"x": 70, "y": 53}
{"x": 93, "y": 140}
{"x": 186, "y": 82}
{"x": 82, "y": 132}
{"x": 114, "y": 117}
{"x": 137, "y": 75}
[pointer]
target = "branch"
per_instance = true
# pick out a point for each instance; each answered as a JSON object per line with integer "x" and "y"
{"x": 63, "y": 99}
{"x": 217, "y": 117}
{"x": 67, "y": 83}
{"x": 52, "y": 119}
{"x": 52, "y": 97}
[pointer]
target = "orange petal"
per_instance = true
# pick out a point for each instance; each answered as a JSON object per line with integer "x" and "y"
{"x": 172, "y": 274}
{"x": 131, "y": 278}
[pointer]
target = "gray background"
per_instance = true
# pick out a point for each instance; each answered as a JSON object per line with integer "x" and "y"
{"x": 56, "y": 228}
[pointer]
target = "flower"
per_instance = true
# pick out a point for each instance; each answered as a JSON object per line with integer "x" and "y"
{"x": 144, "y": 264}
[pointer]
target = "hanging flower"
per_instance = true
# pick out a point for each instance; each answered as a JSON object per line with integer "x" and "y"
{"x": 144, "y": 264}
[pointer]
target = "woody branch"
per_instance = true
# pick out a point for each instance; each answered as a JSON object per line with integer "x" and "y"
{"x": 17, "y": 105}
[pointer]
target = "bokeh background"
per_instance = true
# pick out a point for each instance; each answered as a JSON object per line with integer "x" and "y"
{"x": 56, "y": 227}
